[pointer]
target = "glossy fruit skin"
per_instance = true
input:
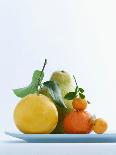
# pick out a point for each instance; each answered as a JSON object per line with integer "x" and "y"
{"x": 78, "y": 122}
{"x": 100, "y": 126}
{"x": 79, "y": 104}
{"x": 36, "y": 114}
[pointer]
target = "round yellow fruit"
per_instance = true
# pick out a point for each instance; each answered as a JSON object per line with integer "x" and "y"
{"x": 100, "y": 126}
{"x": 36, "y": 114}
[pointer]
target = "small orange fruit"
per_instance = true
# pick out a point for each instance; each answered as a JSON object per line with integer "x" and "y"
{"x": 100, "y": 126}
{"x": 78, "y": 122}
{"x": 79, "y": 104}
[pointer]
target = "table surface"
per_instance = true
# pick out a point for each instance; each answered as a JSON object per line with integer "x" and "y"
{"x": 13, "y": 146}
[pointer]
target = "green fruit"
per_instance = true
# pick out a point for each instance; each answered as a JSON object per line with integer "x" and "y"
{"x": 65, "y": 83}
{"x": 62, "y": 77}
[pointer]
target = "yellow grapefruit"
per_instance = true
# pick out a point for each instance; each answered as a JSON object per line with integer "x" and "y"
{"x": 36, "y": 114}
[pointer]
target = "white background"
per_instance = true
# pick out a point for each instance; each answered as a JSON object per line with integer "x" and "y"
{"x": 78, "y": 36}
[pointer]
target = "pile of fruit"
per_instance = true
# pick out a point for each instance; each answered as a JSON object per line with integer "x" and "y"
{"x": 55, "y": 106}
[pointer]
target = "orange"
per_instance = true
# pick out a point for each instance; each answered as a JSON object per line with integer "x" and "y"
{"x": 100, "y": 126}
{"x": 79, "y": 104}
{"x": 78, "y": 122}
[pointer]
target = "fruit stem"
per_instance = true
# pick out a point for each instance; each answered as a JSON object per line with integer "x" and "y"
{"x": 75, "y": 80}
{"x": 88, "y": 102}
{"x": 63, "y": 71}
{"x": 45, "y": 62}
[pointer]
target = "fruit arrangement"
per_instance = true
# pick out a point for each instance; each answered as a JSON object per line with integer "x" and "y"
{"x": 54, "y": 106}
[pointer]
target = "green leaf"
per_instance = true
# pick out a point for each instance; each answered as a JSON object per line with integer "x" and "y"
{"x": 55, "y": 93}
{"x": 31, "y": 88}
{"x": 81, "y": 90}
{"x": 22, "y": 92}
{"x": 70, "y": 95}
{"x": 82, "y": 96}
{"x": 37, "y": 77}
